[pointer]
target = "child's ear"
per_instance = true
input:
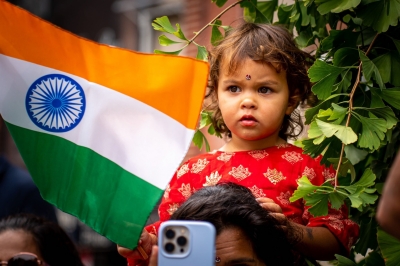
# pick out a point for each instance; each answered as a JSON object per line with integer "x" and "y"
{"x": 294, "y": 101}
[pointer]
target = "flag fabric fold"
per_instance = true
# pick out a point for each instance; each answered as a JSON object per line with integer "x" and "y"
{"x": 101, "y": 129}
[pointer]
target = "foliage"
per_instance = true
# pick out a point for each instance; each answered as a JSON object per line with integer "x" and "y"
{"x": 355, "y": 122}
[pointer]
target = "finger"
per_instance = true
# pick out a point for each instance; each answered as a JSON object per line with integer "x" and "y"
{"x": 154, "y": 256}
{"x": 264, "y": 200}
{"x": 272, "y": 207}
{"x": 279, "y": 216}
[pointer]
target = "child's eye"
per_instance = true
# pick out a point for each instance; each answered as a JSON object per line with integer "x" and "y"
{"x": 234, "y": 89}
{"x": 264, "y": 90}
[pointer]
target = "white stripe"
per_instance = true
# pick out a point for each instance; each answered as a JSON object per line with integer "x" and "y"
{"x": 139, "y": 138}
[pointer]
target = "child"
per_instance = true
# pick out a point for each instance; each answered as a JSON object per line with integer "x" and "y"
{"x": 257, "y": 79}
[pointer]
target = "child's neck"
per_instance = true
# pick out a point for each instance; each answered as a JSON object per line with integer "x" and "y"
{"x": 236, "y": 144}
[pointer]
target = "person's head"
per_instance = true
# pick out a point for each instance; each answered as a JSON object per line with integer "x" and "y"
{"x": 245, "y": 231}
{"x": 23, "y": 233}
{"x": 259, "y": 58}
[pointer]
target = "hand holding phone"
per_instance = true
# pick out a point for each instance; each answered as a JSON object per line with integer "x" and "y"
{"x": 186, "y": 243}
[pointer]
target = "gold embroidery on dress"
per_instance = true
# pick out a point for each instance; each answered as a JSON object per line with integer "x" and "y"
{"x": 166, "y": 192}
{"x": 199, "y": 166}
{"x": 284, "y": 198}
{"x": 213, "y": 179}
{"x": 292, "y": 157}
{"x": 283, "y": 145}
{"x": 258, "y": 155}
{"x": 183, "y": 170}
{"x": 172, "y": 208}
{"x": 185, "y": 190}
{"x": 309, "y": 172}
{"x": 225, "y": 156}
{"x": 274, "y": 176}
{"x": 239, "y": 172}
{"x": 327, "y": 174}
{"x": 257, "y": 192}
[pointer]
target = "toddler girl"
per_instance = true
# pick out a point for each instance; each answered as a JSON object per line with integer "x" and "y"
{"x": 257, "y": 79}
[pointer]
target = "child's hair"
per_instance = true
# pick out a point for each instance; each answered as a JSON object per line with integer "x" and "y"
{"x": 269, "y": 44}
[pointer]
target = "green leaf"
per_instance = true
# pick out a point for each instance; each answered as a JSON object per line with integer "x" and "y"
{"x": 219, "y": 3}
{"x": 387, "y": 114}
{"x": 366, "y": 180}
{"x": 216, "y": 35}
{"x": 339, "y": 39}
{"x": 319, "y": 205}
{"x": 249, "y": 10}
{"x": 335, "y": 6}
{"x": 165, "y": 41}
{"x": 163, "y": 24}
{"x": 345, "y": 134}
{"x": 370, "y": 69}
{"x": 355, "y": 198}
{"x": 391, "y": 96}
{"x": 267, "y": 8}
{"x": 199, "y": 139}
{"x": 326, "y": 75}
{"x": 170, "y": 53}
{"x": 336, "y": 200}
{"x": 338, "y": 114}
{"x": 343, "y": 261}
{"x": 311, "y": 112}
{"x": 284, "y": 14}
{"x": 390, "y": 247}
{"x": 206, "y": 119}
{"x": 373, "y": 131}
{"x": 379, "y": 15}
{"x": 368, "y": 199}
{"x": 201, "y": 53}
{"x": 345, "y": 57}
{"x": 388, "y": 66}
{"x": 367, "y": 238}
{"x": 354, "y": 155}
{"x": 304, "y": 188}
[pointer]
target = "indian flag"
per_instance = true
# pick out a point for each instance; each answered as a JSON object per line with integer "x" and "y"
{"x": 101, "y": 129}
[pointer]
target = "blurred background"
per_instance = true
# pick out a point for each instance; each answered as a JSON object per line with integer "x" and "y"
{"x": 126, "y": 24}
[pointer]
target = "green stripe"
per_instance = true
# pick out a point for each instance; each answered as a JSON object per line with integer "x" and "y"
{"x": 83, "y": 183}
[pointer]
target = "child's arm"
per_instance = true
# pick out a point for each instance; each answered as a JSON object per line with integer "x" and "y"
{"x": 318, "y": 243}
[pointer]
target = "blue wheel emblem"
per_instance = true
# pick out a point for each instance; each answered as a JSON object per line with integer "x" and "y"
{"x": 55, "y": 103}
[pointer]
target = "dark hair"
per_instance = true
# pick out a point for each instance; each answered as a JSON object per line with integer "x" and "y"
{"x": 269, "y": 44}
{"x": 54, "y": 245}
{"x": 228, "y": 205}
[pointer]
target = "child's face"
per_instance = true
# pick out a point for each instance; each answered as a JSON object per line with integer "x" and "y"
{"x": 253, "y": 102}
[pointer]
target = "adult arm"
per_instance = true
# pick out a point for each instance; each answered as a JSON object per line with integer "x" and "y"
{"x": 388, "y": 214}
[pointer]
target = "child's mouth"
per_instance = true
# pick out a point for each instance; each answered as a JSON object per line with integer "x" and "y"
{"x": 248, "y": 120}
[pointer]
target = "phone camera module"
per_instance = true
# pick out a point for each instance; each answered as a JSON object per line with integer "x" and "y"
{"x": 169, "y": 247}
{"x": 170, "y": 234}
{"x": 181, "y": 241}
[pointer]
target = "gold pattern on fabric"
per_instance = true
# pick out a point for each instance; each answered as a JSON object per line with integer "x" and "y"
{"x": 283, "y": 145}
{"x": 292, "y": 157}
{"x": 225, "y": 157}
{"x": 258, "y": 155}
{"x": 284, "y": 198}
{"x": 213, "y": 179}
{"x": 327, "y": 174}
{"x": 185, "y": 190}
{"x": 274, "y": 176}
{"x": 199, "y": 166}
{"x": 172, "y": 208}
{"x": 240, "y": 172}
{"x": 309, "y": 172}
{"x": 183, "y": 170}
{"x": 166, "y": 192}
{"x": 257, "y": 192}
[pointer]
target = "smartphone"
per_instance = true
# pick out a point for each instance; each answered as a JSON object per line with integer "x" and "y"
{"x": 186, "y": 243}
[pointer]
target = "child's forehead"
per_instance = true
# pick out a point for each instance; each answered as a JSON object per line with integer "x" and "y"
{"x": 232, "y": 65}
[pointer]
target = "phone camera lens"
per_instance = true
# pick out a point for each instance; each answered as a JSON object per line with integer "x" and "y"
{"x": 170, "y": 234}
{"x": 181, "y": 241}
{"x": 169, "y": 247}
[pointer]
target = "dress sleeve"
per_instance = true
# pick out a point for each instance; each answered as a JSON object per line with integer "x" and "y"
{"x": 178, "y": 190}
{"x": 337, "y": 221}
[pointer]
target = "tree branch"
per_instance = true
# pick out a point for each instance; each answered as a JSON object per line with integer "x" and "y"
{"x": 353, "y": 90}
{"x": 213, "y": 20}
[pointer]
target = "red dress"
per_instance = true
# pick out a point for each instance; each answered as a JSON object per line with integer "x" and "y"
{"x": 270, "y": 172}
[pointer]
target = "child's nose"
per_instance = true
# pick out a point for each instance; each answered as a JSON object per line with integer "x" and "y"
{"x": 248, "y": 102}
